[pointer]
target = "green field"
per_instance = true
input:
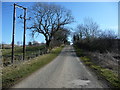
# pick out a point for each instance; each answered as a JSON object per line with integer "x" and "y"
{"x": 31, "y": 52}
{"x": 18, "y": 50}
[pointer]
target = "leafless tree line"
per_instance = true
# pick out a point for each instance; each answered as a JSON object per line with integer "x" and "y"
{"x": 50, "y": 20}
{"x": 90, "y": 37}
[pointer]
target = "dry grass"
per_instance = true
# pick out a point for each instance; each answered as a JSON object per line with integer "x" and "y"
{"x": 15, "y": 73}
{"x": 103, "y": 72}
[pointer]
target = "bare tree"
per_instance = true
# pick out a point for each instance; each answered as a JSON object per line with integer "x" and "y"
{"x": 80, "y": 29}
{"x": 89, "y": 29}
{"x": 48, "y": 19}
{"x": 108, "y": 34}
{"x": 90, "y": 37}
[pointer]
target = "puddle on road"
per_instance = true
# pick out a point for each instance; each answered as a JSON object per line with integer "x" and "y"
{"x": 80, "y": 82}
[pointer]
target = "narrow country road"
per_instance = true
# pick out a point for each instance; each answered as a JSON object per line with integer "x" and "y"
{"x": 66, "y": 71}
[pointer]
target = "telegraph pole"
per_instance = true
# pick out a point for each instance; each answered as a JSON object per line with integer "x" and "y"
{"x": 13, "y": 35}
{"x": 24, "y": 34}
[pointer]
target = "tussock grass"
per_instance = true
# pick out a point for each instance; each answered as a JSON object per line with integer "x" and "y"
{"x": 15, "y": 73}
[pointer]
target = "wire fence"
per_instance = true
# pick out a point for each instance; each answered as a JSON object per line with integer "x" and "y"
{"x": 6, "y": 59}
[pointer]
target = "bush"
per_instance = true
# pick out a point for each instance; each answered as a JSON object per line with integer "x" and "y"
{"x": 100, "y": 44}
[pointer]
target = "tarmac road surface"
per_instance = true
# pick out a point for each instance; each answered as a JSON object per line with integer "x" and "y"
{"x": 65, "y": 71}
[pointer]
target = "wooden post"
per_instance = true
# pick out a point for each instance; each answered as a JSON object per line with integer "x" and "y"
{"x": 24, "y": 35}
{"x": 14, "y": 15}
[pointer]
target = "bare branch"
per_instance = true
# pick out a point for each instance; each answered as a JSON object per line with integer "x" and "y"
{"x": 49, "y": 18}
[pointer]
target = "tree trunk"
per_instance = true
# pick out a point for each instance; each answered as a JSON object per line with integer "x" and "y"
{"x": 48, "y": 46}
{"x": 48, "y": 43}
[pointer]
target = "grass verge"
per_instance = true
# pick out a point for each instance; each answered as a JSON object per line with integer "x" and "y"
{"x": 108, "y": 75}
{"x": 13, "y": 74}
